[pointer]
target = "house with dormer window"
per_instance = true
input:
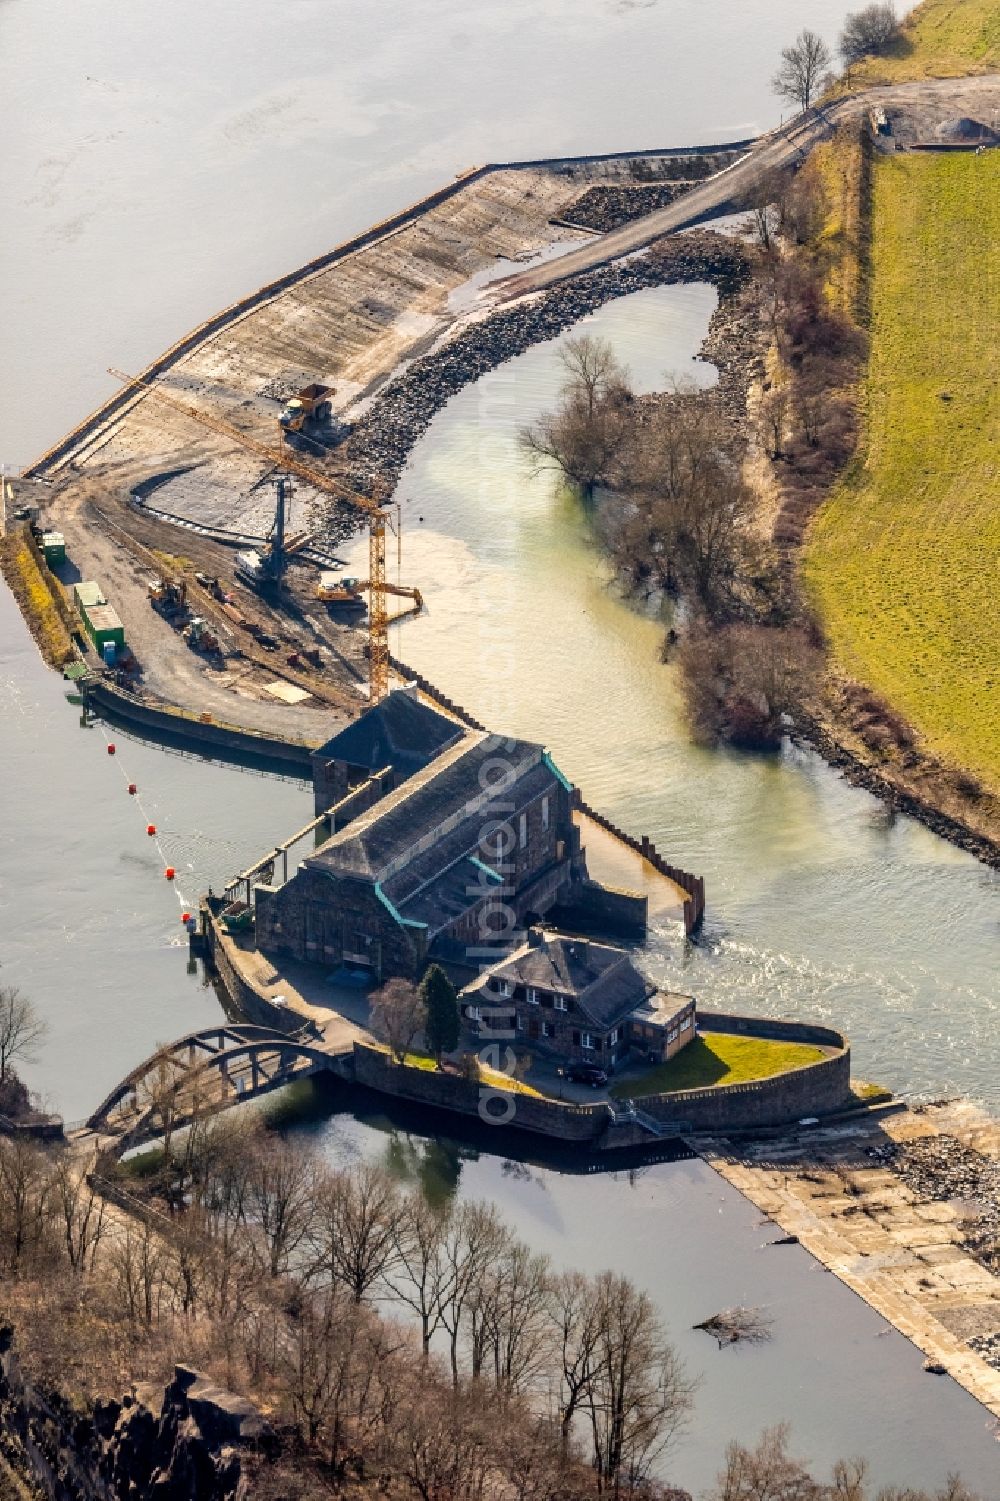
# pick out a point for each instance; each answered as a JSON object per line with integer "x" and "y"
{"x": 578, "y": 1001}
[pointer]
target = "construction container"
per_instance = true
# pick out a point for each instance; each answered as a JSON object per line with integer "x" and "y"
{"x": 87, "y": 593}
{"x": 109, "y": 652}
{"x": 102, "y": 625}
{"x": 53, "y": 547}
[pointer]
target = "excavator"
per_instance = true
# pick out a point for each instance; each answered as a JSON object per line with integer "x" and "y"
{"x": 377, "y": 514}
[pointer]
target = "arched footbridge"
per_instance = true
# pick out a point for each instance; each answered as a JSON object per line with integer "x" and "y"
{"x": 201, "y": 1074}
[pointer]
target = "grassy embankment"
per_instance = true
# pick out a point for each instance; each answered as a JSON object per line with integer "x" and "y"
{"x": 940, "y": 39}
{"x": 902, "y": 560}
{"x": 492, "y": 1077}
{"x": 24, "y": 574}
{"x": 719, "y": 1058}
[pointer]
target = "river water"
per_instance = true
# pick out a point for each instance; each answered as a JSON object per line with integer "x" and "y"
{"x": 161, "y": 161}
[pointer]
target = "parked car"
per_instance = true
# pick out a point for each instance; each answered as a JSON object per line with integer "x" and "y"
{"x": 587, "y": 1073}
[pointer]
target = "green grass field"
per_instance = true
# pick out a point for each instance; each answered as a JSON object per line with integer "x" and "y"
{"x": 940, "y": 39}
{"x": 903, "y": 561}
{"x": 718, "y": 1058}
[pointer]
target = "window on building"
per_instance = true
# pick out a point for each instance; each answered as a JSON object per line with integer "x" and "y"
{"x": 612, "y": 1038}
{"x": 518, "y": 1024}
{"x": 587, "y": 1040}
{"x": 473, "y": 1013}
{"x": 533, "y": 996}
{"x": 522, "y": 829}
{"x": 548, "y": 1030}
{"x": 501, "y": 986}
{"x": 545, "y": 812}
{"x": 685, "y": 1023}
{"x": 560, "y": 1003}
{"x": 672, "y": 1036}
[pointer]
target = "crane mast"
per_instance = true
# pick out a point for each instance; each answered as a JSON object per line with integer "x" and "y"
{"x": 378, "y": 615}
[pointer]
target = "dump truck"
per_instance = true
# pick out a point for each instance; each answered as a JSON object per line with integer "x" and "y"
{"x": 309, "y": 406}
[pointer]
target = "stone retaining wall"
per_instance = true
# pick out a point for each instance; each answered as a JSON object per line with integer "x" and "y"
{"x": 256, "y": 1008}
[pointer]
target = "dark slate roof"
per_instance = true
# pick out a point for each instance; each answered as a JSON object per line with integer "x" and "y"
{"x": 444, "y": 804}
{"x": 603, "y": 980}
{"x": 401, "y": 732}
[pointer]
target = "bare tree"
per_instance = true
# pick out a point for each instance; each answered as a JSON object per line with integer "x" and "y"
{"x": 803, "y": 65}
{"x": 638, "y": 1396}
{"x": 280, "y": 1197}
{"x": 25, "y": 1201}
{"x": 21, "y": 1029}
{"x": 473, "y": 1238}
{"x": 353, "y": 1232}
{"x": 510, "y": 1326}
{"x": 80, "y": 1211}
{"x": 586, "y": 433}
{"x": 418, "y": 1275}
{"x": 574, "y": 1311}
{"x": 397, "y": 1016}
{"x": 868, "y": 31}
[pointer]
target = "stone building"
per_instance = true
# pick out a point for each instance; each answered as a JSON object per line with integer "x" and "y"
{"x": 445, "y": 841}
{"x": 579, "y": 1002}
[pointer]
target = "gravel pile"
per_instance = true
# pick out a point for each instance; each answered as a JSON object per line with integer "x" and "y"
{"x": 381, "y": 442}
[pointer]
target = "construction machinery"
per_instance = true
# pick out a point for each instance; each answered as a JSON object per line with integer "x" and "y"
{"x": 339, "y": 592}
{"x": 169, "y": 598}
{"x": 200, "y": 636}
{"x": 310, "y": 406}
{"x": 378, "y": 520}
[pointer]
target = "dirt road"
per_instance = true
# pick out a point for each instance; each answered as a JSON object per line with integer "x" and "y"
{"x": 926, "y": 103}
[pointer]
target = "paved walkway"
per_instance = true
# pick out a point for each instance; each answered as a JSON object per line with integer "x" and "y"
{"x": 781, "y": 148}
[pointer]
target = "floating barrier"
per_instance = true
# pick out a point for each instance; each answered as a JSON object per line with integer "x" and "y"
{"x": 132, "y": 789}
{"x": 151, "y": 829}
{"x": 170, "y": 872}
{"x": 111, "y": 750}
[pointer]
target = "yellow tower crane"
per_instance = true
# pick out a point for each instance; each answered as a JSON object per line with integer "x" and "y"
{"x": 376, "y": 512}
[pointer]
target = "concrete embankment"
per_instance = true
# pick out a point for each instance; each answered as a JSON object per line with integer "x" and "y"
{"x": 168, "y": 725}
{"x": 904, "y": 1209}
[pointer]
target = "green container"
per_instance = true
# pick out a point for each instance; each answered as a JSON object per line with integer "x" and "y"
{"x": 102, "y": 625}
{"x": 53, "y": 547}
{"x": 87, "y": 593}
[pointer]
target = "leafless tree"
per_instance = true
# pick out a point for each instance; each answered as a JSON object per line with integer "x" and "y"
{"x": 138, "y": 1260}
{"x": 585, "y": 434}
{"x": 803, "y": 65}
{"x": 279, "y": 1198}
{"x": 741, "y": 679}
{"x": 509, "y": 1318}
{"x": 353, "y": 1232}
{"x": 418, "y": 1274}
{"x": 868, "y": 31}
{"x": 638, "y": 1396}
{"x": 472, "y": 1240}
{"x": 25, "y": 1202}
{"x": 575, "y": 1315}
{"x": 80, "y": 1211}
{"x": 397, "y": 1016}
{"x": 21, "y": 1029}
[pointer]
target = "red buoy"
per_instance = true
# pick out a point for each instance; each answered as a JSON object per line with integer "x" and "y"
{"x": 111, "y": 750}
{"x": 185, "y": 917}
{"x": 132, "y": 789}
{"x": 151, "y": 829}
{"x": 169, "y": 872}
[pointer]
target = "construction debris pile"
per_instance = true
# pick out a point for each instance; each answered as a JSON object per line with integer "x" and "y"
{"x": 943, "y": 1168}
{"x": 382, "y": 439}
{"x": 605, "y": 206}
